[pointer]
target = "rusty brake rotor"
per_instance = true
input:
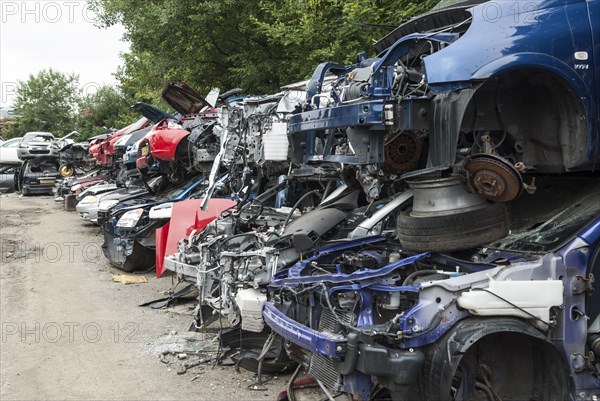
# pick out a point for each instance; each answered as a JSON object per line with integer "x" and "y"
{"x": 494, "y": 178}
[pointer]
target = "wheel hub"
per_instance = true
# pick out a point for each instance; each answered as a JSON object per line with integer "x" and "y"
{"x": 494, "y": 178}
{"x": 65, "y": 171}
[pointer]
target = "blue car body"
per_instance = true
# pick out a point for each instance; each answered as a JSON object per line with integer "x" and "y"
{"x": 356, "y": 319}
{"x": 132, "y": 248}
{"x": 524, "y": 73}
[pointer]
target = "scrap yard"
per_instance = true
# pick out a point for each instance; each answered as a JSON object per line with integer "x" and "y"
{"x": 418, "y": 223}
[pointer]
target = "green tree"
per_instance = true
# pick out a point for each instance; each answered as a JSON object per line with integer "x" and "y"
{"x": 108, "y": 107}
{"x": 258, "y": 45}
{"x": 46, "y": 102}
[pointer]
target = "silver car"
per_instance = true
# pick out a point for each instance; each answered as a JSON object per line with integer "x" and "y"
{"x": 89, "y": 206}
{"x": 36, "y": 144}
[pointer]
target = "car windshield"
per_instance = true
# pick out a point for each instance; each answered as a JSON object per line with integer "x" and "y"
{"x": 47, "y": 167}
{"x": 39, "y": 138}
{"x": 175, "y": 192}
{"x": 548, "y": 234}
{"x": 11, "y": 143}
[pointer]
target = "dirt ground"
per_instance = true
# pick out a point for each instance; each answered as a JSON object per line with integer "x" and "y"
{"x": 70, "y": 332}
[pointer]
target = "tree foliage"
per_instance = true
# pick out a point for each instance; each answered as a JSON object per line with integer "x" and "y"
{"x": 46, "y": 102}
{"x": 106, "y": 108}
{"x": 52, "y": 101}
{"x": 258, "y": 45}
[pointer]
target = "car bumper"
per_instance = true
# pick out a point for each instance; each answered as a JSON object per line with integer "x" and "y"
{"x": 115, "y": 249}
{"x": 30, "y": 154}
{"x": 188, "y": 272}
{"x": 39, "y": 189}
{"x": 85, "y": 211}
{"x": 349, "y": 353}
{"x": 126, "y": 254}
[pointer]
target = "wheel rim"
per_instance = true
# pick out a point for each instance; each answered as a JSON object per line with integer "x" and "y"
{"x": 65, "y": 171}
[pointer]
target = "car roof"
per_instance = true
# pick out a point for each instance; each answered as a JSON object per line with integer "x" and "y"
{"x": 36, "y": 133}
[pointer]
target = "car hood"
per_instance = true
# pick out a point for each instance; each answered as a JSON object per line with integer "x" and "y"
{"x": 132, "y": 138}
{"x": 183, "y": 99}
{"x": 36, "y": 143}
{"x": 123, "y": 193}
{"x": 152, "y": 113}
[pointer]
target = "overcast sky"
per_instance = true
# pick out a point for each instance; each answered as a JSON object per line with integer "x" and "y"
{"x": 37, "y": 35}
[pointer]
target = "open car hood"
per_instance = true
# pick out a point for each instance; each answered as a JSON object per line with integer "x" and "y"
{"x": 152, "y": 113}
{"x": 183, "y": 99}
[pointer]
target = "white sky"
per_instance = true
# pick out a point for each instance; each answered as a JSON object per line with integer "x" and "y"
{"x": 37, "y": 35}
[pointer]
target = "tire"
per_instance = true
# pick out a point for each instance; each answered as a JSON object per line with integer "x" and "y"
{"x": 453, "y": 232}
{"x": 511, "y": 365}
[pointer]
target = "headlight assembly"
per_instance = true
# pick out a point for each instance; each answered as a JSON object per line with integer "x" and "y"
{"x": 89, "y": 200}
{"x": 130, "y": 218}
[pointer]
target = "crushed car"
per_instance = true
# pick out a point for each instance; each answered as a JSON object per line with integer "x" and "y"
{"x": 517, "y": 318}
{"x": 38, "y": 176}
{"x": 130, "y": 233}
{"x": 170, "y": 146}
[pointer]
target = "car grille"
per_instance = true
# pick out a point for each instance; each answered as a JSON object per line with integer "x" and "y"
{"x": 39, "y": 151}
{"x": 321, "y": 366}
{"x": 103, "y": 214}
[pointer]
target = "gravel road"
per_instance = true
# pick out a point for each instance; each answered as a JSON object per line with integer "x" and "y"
{"x": 70, "y": 332}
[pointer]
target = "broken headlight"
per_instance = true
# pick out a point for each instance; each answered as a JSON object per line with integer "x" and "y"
{"x": 130, "y": 218}
{"x": 89, "y": 200}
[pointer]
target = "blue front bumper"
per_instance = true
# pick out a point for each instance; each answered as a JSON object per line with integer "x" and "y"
{"x": 333, "y": 345}
{"x": 354, "y": 353}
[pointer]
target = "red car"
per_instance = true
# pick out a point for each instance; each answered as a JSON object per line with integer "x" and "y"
{"x": 186, "y": 217}
{"x": 103, "y": 152}
{"x": 94, "y": 147}
{"x": 166, "y": 149}
{"x": 106, "y": 150}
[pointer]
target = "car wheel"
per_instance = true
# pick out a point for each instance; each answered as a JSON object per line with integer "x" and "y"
{"x": 453, "y": 232}
{"x": 65, "y": 171}
{"x": 507, "y": 366}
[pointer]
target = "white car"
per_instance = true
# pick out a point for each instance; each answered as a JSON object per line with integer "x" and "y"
{"x": 8, "y": 151}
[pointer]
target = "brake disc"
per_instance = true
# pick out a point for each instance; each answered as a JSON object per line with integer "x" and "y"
{"x": 494, "y": 178}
